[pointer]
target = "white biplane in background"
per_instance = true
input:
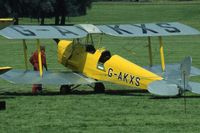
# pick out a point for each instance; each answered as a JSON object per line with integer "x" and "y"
{"x": 91, "y": 66}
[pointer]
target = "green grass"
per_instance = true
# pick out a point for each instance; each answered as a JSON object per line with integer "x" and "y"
{"x": 115, "y": 111}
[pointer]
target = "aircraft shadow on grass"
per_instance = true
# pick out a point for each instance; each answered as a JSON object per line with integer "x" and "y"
{"x": 127, "y": 92}
{"x": 4, "y": 95}
{"x": 175, "y": 97}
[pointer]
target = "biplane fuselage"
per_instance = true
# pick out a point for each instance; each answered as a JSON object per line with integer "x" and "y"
{"x": 100, "y": 65}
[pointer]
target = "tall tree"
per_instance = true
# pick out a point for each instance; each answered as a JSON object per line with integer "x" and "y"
{"x": 83, "y": 5}
{"x": 13, "y": 9}
{"x": 66, "y": 8}
{"x": 41, "y": 9}
{"x": 45, "y": 9}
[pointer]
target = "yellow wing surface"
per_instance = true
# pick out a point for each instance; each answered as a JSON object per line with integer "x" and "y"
{"x": 4, "y": 22}
{"x": 4, "y": 69}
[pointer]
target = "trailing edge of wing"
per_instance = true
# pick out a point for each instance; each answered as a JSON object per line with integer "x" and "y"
{"x": 53, "y": 78}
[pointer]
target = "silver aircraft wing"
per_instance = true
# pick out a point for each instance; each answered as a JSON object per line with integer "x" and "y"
{"x": 52, "y": 78}
{"x": 82, "y": 30}
{"x": 149, "y": 29}
{"x": 42, "y": 32}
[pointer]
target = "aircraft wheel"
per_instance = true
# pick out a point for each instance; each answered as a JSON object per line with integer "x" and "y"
{"x": 65, "y": 89}
{"x": 99, "y": 88}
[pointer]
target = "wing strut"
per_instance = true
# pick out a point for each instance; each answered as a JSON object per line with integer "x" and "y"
{"x": 39, "y": 57}
{"x": 25, "y": 54}
{"x": 162, "y": 54}
{"x": 150, "y": 52}
{"x": 89, "y": 39}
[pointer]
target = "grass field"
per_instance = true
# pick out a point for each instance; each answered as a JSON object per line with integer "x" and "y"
{"x": 120, "y": 109}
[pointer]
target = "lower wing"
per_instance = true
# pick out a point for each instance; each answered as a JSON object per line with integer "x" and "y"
{"x": 56, "y": 78}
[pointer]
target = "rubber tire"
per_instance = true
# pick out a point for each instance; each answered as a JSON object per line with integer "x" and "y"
{"x": 99, "y": 88}
{"x": 65, "y": 89}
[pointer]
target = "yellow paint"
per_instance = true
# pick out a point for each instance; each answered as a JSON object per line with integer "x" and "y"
{"x": 64, "y": 51}
{"x": 116, "y": 70}
{"x": 162, "y": 54}
{"x": 4, "y": 22}
{"x": 25, "y": 54}
{"x": 150, "y": 52}
{"x": 4, "y": 69}
{"x": 39, "y": 58}
{"x": 121, "y": 67}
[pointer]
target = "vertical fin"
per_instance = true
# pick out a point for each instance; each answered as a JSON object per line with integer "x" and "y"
{"x": 185, "y": 69}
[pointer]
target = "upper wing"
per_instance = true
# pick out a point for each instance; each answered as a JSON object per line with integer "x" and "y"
{"x": 55, "y": 78}
{"x": 81, "y": 30}
{"x": 151, "y": 29}
{"x": 42, "y": 32}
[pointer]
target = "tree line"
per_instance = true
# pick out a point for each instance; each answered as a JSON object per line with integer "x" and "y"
{"x": 41, "y": 9}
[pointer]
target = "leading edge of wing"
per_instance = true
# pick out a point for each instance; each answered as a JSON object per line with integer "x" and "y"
{"x": 82, "y": 30}
{"x": 51, "y": 78}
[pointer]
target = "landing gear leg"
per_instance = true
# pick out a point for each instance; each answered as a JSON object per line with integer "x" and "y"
{"x": 99, "y": 88}
{"x": 65, "y": 89}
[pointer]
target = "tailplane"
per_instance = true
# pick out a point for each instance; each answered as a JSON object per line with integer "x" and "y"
{"x": 185, "y": 69}
{"x": 174, "y": 86}
{"x": 163, "y": 88}
{"x": 194, "y": 87}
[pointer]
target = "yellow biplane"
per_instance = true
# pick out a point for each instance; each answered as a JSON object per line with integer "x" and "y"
{"x": 91, "y": 66}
